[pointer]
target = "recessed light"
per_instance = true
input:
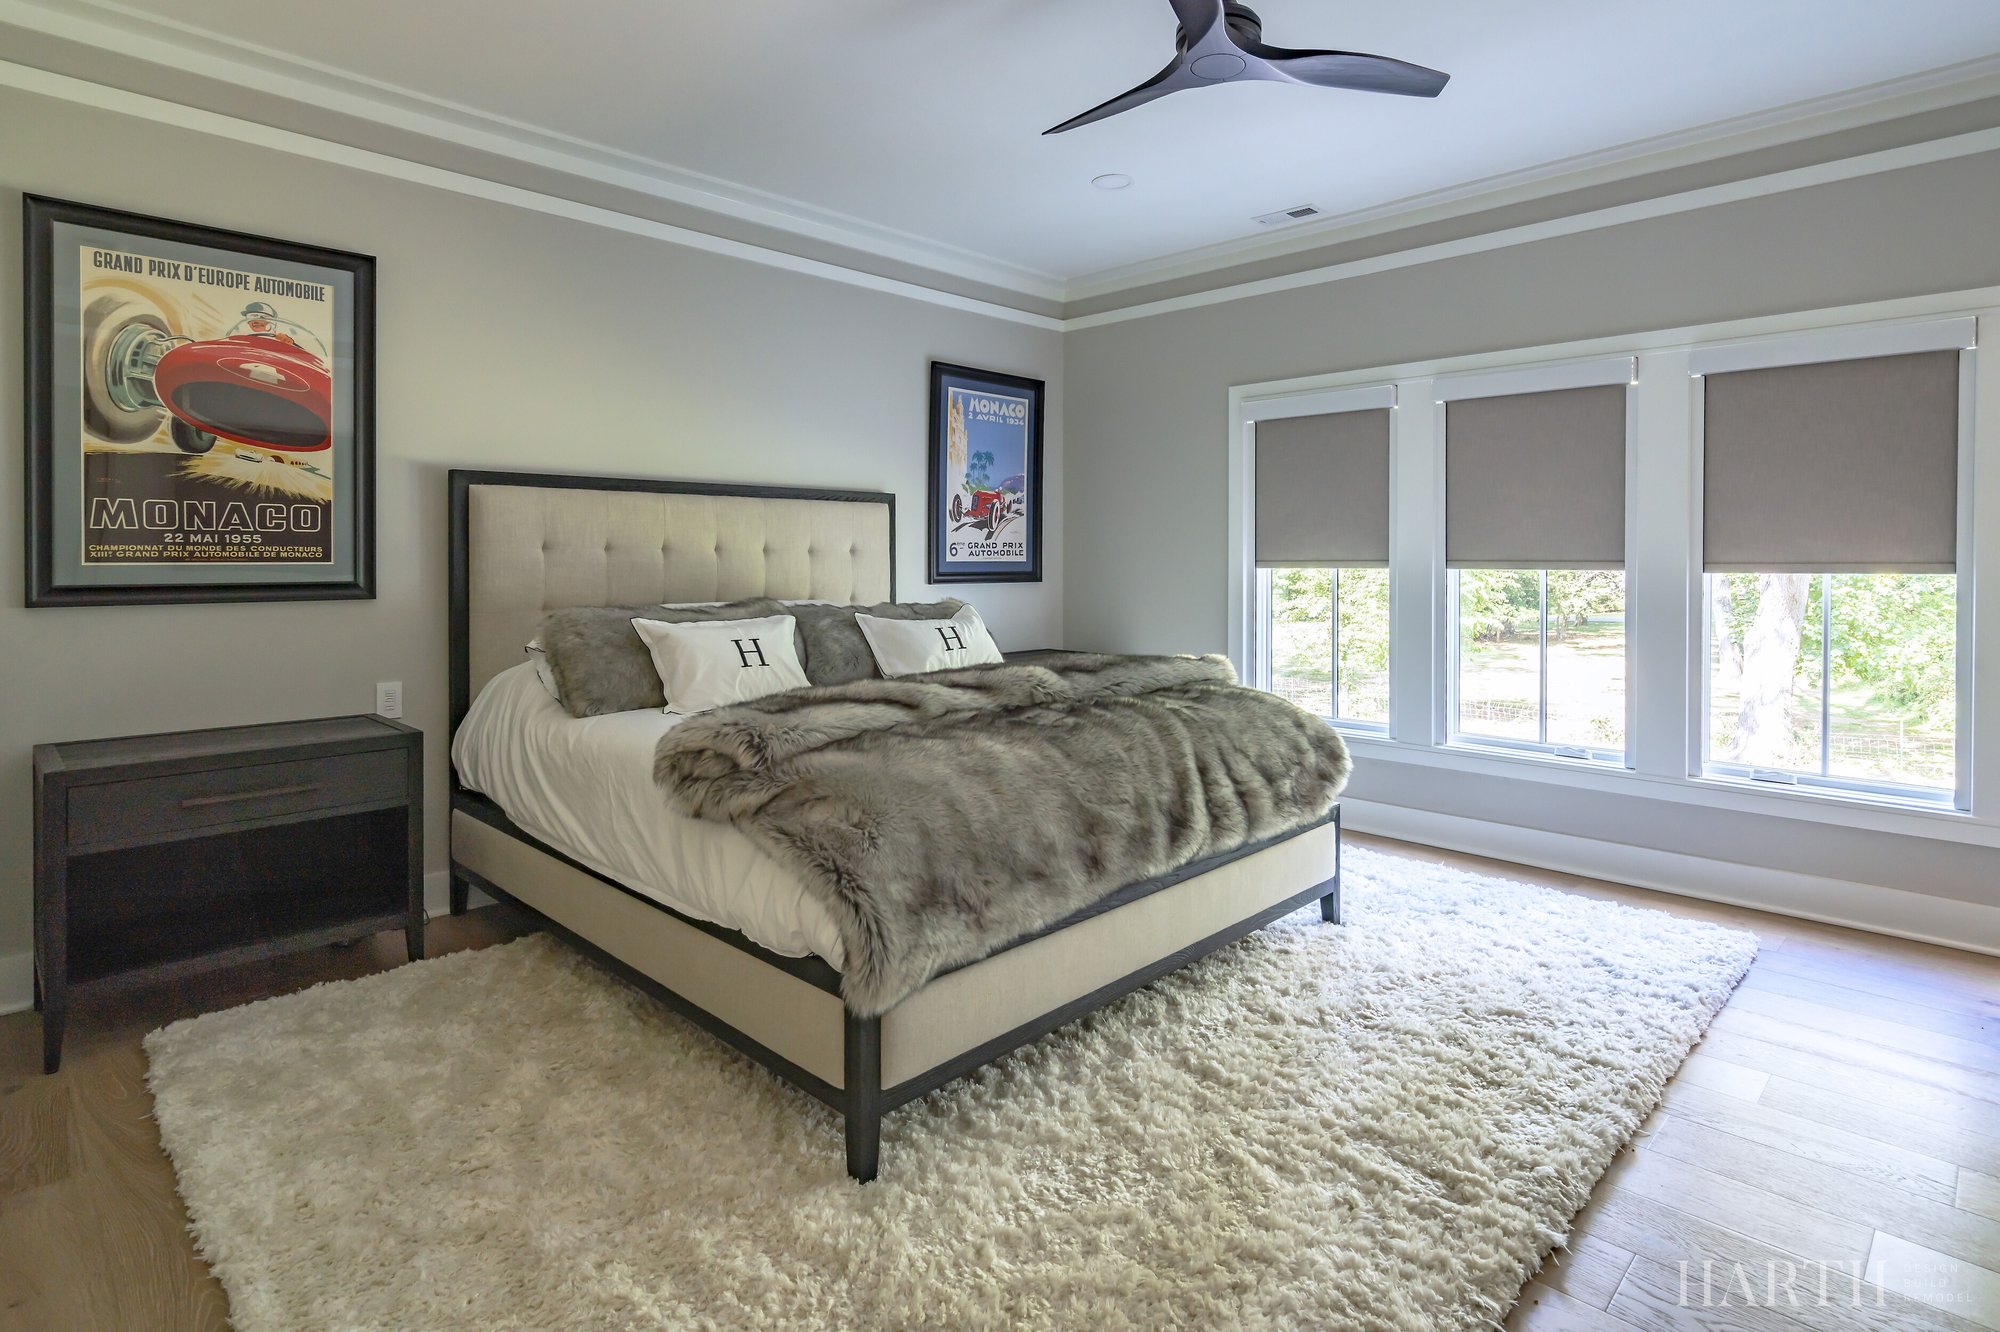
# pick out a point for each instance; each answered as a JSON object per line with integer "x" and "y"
{"x": 1111, "y": 181}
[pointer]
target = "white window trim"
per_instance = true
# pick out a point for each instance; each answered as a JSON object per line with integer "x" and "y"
{"x": 1663, "y": 567}
{"x": 1816, "y": 348}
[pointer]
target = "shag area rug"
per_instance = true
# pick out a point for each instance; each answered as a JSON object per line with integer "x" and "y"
{"x": 1382, "y": 1124}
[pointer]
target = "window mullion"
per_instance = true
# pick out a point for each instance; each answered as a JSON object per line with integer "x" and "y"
{"x": 1333, "y": 642}
{"x": 1542, "y": 720}
{"x": 1826, "y": 675}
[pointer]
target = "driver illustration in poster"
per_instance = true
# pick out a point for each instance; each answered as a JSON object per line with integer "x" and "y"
{"x": 207, "y": 414}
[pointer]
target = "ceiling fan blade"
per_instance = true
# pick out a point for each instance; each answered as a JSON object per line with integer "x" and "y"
{"x": 1152, "y": 89}
{"x": 1197, "y": 17}
{"x": 1352, "y": 69}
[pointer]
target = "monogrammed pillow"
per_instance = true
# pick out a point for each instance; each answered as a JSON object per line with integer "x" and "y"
{"x": 714, "y": 663}
{"x": 836, "y": 651}
{"x": 909, "y": 647}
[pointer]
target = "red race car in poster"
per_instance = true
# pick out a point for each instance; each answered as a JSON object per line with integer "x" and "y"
{"x": 260, "y": 384}
{"x": 989, "y": 509}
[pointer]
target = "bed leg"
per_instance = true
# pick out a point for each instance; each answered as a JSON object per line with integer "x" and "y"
{"x": 461, "y": 892}
{"x": 864, "y": 1096}
{"x": 1329, "y": 906}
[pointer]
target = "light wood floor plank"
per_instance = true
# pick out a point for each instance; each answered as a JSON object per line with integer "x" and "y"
{"x": 1656, "y": 1296}
{"x": 1929, "y": 1040}
{"x": 1971, "y": 1022}
{"x": 1978, "y": 1192}
{"x": 1964, "y": 1235}
{"x": 1778, "y": 1222}
{"x": 1542, "y": 1309}
{"x": 1586, "y": 1269}
{"x": 1907, "y": 1065}
{"x": 1888, "y": 1090}
{"x": 1897, "y": 1167}
{"x": 1703, "y": 1070}
{"x": 1947, "y": 1128}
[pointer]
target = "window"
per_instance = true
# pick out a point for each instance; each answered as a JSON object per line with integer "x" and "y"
{"x": 1322, "y": 534}
{"x": 1541, "y": 660}
{"x": 1839, "y": 680}
{"x": 1829, "y": 549}
{"x": 1329, "y": 641}
{"x": 1535, "y": 540}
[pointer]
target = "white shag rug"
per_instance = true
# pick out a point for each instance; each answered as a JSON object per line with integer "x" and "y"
{"x": 1382, "y": 1124}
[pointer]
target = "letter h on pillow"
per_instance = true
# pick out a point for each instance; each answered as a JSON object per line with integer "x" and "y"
{"x": 908, "y": 647}
{"x": 713, "y": 663}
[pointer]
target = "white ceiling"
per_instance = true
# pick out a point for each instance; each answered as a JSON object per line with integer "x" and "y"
{"x": 917, "y": 123}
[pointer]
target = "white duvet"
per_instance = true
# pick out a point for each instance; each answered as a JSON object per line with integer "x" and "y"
{"x": 585, "y": 786}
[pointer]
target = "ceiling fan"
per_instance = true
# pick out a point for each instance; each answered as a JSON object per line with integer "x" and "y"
{"x": 1223, "y": 42}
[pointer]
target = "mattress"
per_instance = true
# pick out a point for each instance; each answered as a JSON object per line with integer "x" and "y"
{"x": 585, "y": 787}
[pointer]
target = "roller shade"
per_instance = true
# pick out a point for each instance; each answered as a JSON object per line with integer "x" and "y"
{"x": 1323, "y": 490}
{"x": 1536, "y": 480}
{"x": 1838, "y": 467}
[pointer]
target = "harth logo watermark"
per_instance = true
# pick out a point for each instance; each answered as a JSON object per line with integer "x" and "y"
{"x": 1778, "y": 1284}
{"x": 1782, "y": 1284}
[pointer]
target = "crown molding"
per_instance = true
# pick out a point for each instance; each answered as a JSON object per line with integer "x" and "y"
{"x": 1823, "y": 173}
{"x": 143, "y": 35}
{"x": 1932, "y": 90}
{"x": 85, "y": 93}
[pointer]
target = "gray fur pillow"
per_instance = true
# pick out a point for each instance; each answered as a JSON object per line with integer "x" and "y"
{"x": 600, "y": 663}
{"x": 835, "y": 649}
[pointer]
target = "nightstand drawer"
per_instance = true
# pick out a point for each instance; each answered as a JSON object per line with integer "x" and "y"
{"x": 111, "y": 813}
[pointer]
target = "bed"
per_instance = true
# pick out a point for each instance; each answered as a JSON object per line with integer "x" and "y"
{"x": 696, "y": 914}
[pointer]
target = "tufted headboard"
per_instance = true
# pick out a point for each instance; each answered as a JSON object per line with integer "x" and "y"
{"x": 526, "y": 543}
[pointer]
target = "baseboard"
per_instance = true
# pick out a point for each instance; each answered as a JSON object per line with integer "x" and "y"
{"x": 1972, "y": 926}
{"x": 17, "y": 970}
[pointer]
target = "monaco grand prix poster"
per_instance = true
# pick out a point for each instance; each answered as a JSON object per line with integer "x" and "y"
{"x": 200, "y": 403}
{"x": 985, "y": 477}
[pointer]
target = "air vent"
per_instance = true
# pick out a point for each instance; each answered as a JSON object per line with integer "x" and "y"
{"x": 1284, "y": 217}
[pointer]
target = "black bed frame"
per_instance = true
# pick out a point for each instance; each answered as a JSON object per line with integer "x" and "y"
{"x": 863, "y": 1100}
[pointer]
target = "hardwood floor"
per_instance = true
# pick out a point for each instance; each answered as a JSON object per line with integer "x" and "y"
{"x": 1844, "y": 1110}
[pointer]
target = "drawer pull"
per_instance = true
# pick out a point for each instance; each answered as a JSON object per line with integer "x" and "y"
{"x": 269, "y": 793}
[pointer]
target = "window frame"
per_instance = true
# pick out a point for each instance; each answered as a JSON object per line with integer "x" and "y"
{"x": 1809, "y": 348}
{"x": 1249, "y": 606}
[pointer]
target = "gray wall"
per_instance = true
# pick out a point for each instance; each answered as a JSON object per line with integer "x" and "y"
{"x": 506, "y": 338}
{"x": 1145, "y": 486}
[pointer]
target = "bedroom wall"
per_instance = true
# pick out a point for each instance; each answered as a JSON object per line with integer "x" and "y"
{"x": 1146, "y": 483}
{"x": 506, "y": 339}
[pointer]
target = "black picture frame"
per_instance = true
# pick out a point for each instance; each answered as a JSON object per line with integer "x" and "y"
{"x": 963, "y": 537}
{"x": 61, "y": 393}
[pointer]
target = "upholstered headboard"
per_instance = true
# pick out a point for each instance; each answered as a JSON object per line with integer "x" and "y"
{"x": 525, "y": 543}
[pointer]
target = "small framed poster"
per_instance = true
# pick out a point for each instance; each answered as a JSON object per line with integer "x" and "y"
{"x": 985, "y": 476}
{"x": 200, "y": 413}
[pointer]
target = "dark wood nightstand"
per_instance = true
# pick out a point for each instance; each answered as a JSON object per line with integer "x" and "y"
{"x": 160, "y": 855}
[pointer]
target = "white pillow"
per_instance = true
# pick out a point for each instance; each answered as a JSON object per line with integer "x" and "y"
{"x": 543, "y": 671}
{"x": 713, "y": 663}
{"x": 908, "y": 647}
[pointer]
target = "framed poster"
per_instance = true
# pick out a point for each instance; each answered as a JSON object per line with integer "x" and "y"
{"x": 985, "y": 476}
{"x": 200, "y": 413}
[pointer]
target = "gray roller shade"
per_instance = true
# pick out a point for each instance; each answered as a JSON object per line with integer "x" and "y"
{"x": 1839, "y": 467}
{"x": 1323, "y": 491}
{"x": 1536, "y": 480}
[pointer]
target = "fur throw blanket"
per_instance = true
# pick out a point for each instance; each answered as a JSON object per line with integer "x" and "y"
{"x": 940, "y": 816}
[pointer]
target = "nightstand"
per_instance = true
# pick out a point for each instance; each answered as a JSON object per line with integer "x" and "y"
{"x": 161, "y": 855}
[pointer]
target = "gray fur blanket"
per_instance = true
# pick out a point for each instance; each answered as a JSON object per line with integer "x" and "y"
{"x": 941, "y": 816}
